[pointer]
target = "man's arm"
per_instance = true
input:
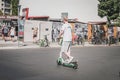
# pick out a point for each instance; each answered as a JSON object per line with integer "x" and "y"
{"x": 61, "y": 32}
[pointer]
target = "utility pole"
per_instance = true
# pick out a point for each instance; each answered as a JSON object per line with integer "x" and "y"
{"x": 19, "y": 6}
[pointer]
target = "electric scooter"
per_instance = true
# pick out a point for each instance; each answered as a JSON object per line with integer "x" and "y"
{"x": 73, "y": 64}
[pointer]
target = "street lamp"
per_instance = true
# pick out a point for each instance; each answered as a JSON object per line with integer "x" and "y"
{"x": 19, "y": 6}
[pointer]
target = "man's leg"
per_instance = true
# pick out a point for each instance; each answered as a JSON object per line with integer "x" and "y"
{"x": 60, "y": 56}
{"x": 68, "y": 54}
{"x": 62, "y": 50}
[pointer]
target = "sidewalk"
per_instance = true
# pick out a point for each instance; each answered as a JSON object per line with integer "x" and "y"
{"x": 14, "y": 45}
{"x": 21, "y": 45}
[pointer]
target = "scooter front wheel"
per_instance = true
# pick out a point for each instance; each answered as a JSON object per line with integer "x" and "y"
{"x": 59, "y": 61}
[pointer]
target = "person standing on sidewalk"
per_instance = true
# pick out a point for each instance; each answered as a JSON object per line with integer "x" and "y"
{"x": 66, "y": 31}
{"x": 35, "y": 32}
{"x": 12, "y": 33}
{"x": 3, "y": 32}
{"x": 6, "y": 30}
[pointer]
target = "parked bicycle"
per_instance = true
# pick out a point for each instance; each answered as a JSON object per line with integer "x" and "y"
{"x": 80, "y": 40}
{"x": 43, "y": 42}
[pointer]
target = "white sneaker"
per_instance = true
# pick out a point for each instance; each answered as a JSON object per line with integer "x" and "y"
{"x": 71, "y": 58}
{"x": 66, "y": 61}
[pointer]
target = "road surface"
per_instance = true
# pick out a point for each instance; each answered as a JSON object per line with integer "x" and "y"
{"x": 95, "y": 63}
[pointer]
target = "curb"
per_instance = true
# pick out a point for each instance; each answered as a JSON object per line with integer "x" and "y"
{"x": 51, "y": 46}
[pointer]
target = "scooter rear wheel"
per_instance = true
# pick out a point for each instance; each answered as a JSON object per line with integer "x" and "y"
{"x": 75, "y": 65}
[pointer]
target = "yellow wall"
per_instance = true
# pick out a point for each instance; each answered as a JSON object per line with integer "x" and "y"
{"x": 106, "y": 30}
{"x": 73, "y": 34}
{"x": 115, "y": 31}
{"x": 89, "y": 32}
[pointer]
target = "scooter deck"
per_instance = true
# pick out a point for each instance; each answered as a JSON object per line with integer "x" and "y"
{"x": 73, "y": 64}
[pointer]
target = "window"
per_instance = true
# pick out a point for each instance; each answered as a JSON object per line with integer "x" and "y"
{"x": 2, "y": 9}
{"x": 2, "y": 4}
{"x": 46, "y": 29}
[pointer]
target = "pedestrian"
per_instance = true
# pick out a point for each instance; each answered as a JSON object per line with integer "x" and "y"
{"x": 35, "y": 32}
{"x": 6, "y": 30}
{"x": 110, "y": 35}
{"x": 12, "y": 33}
{"x": 3, "y": 32}
{"x": 66, "y": 31}
{"x": 53, "y": 40}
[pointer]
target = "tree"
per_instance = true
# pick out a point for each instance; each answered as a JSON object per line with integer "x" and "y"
{"x": 118, "y": 21}
{"x": 15, "y": 7}
{"x": 1, "y": 13}
{"x": 109, "y": 9}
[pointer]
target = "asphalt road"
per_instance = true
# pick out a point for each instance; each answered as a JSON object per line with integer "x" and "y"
{"x": 95, "y": 63}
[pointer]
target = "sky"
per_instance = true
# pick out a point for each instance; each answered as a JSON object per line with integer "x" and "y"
{"x": 84, "y": 10}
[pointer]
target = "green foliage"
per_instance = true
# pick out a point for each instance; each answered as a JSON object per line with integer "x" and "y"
{"x": 109, "y": 9}
{"x": 118, "y": 21}
{"x": 15, "y": 7}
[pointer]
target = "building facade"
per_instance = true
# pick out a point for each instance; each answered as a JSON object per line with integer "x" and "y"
{"x": 5, "y": 7}
{"x": 82, "y": 10}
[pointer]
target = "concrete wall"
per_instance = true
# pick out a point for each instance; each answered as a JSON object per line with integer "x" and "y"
{"x": 44, "y": 28}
